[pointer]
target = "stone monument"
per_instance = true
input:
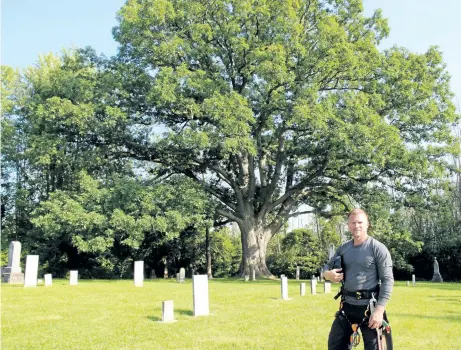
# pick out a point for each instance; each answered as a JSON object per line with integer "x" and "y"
{"x": 436, "y": 277}
{"x": 12, "y": 272}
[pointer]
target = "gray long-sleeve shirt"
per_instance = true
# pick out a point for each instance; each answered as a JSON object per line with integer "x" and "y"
{"x": 364, "y": 266}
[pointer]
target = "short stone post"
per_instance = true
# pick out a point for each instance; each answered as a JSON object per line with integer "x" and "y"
{"x": 313, "y": 286}
{"x": 168, "y": 311}
{"x": 327, "y": 287}
{"x": 408, "y": 283}
{"x": 253, "y": 274}
{"x": 297, "y": 273}
{"x": 302, "y": 289}
{"x": 247, "y": 278}
{"x": 413, "y": 280}
{"x": 48, "y": 280}
{"x": 165, "y": 272}
{"x": 284, "y": 287}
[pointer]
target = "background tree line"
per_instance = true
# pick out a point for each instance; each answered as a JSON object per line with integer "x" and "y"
{"x": 244, "y": 113}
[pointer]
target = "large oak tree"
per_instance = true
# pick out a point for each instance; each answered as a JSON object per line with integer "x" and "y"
{"x": 275, "y": 106}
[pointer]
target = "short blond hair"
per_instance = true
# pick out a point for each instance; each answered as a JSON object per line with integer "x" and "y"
{"x": 356, "y": 211}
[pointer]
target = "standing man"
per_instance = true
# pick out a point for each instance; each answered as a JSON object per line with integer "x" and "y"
{"x": 366, "y": 275}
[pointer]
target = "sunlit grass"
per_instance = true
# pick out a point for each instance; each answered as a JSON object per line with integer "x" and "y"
{"x": 244, "y": 315}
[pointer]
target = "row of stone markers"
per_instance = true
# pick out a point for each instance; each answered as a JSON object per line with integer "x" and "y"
{"x": 12, "y": 274}
{"x": 302, "y": 287}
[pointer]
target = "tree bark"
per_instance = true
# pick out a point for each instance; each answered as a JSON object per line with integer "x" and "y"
{"x": 255, "y": 238}
{"x": 208, "y": 253}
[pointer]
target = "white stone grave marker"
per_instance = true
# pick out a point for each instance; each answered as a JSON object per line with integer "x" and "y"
{"x": 182, "y": 275}
{"x": 314, "y": 286}
{"x": 139, "y": 273}
{"x": 327, "y": 287}
{"x": 73, "y": 280}
{"x": 413, "y": 279}
{"x": 30, "y": 278}
{"x": 200, "y": 295}
{"x": 247, "y": 278}
{"x": 284, "y": 287}
{"x": 302, "y": 289}
{"x": 168, "y": 311}
{"x": 297, "y": 273}
{"x": 48, "y": 279}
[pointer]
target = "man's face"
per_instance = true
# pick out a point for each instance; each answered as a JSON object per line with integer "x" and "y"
{"x": 358, "y": 225}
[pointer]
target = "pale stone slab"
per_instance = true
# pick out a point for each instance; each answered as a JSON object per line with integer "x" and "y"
{"x": 165, "y": 272}
{"x": 302, "y": 289}
{"x": 177, "y": 277}
{"x": 182, "y": 275}
{"x": 168, "y": 311}
{"x": 139, "y": 273}
{"x": 247, "y": 278}
{"x": 30, "y": 277}
{"x": 327, "y": 287}
{"x": 73, "y": 280}
{"x": 413, "y": 279}
{"x": 297, "y": 273}
{"x": 48, "y": 280}
{"x": 200, "y": 295}
{"x": 408, "y": 283}
{"x": 313, "y": 286}
{"x": 284, "y": 287}
{"x": 253, "y": 274}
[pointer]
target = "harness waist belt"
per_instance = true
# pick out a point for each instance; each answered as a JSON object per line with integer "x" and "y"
{"x": 362, "y": 294}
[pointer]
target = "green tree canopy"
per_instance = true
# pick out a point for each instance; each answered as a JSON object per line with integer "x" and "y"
{"x": 270, "y": 105}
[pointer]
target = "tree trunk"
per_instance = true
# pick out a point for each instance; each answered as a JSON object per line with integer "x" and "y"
{"x": 254, "y": 245}
{"x": 208, "y": 253}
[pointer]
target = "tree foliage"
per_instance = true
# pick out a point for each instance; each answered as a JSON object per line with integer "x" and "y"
{"x": 282, "y": 104}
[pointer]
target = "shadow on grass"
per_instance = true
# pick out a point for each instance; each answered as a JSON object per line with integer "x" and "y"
{"x": 154, "y": 318}
{"x": 184, "y": 312}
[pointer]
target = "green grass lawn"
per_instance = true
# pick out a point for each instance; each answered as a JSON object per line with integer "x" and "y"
{"x": 100, "y": 314}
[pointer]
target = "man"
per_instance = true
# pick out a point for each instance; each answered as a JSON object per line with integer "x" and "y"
{"x": 366, "y": 274}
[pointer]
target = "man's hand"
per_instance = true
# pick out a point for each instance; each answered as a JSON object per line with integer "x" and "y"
{"x": 376, "y": 318}
{"x": 334, "y": 275}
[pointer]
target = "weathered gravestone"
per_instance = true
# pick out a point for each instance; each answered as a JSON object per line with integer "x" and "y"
{"x": 168, "y": 311}
{"x": 253, "y": 274}
{"x": 200, "y": 295}
{"x": 436, "y": 277}
{"x": 177, "y": 277}
{"x": 247, "y": 278}
{"x": 413, "y": 280}
{"x": 302, "y": 289}
{"x": 138, "y": 273}
{"x": 73, "y": 279}
{"x": 165, "y": 272}
{"x": 297, "y": 273}
{"x": 182, "y": 275}
{"x": 30, "y": 277}
{"x": 12, "y": 272}
{"x": 48, "y": 280}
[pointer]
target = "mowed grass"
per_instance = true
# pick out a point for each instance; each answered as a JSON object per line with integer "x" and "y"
{"x": 100, "y": 314}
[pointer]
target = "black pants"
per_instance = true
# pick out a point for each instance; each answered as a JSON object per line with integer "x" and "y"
{"x": 341, "y": 330}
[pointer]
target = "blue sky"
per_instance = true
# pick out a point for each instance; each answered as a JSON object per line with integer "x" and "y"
{"x": 32, "y": 27}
